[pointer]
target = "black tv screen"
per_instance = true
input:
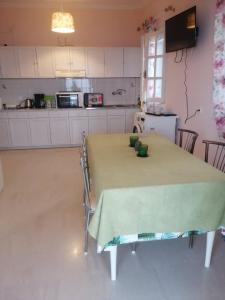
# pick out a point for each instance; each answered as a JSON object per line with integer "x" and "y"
{"x": 181, "y": 31}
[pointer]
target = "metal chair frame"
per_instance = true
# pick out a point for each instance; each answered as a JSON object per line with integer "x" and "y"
{"x": 89, "y": 211}
{"x": 187, "y": 139}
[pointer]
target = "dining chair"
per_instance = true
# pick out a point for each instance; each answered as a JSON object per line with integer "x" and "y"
{"x": 89, "y": 200}
{"x": 187, "y": 139}
{"x": 215, "y": 154}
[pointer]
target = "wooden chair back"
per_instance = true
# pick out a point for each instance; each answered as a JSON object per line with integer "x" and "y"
{"x": 187, "y": 139}
{"x": 215, "y": 154}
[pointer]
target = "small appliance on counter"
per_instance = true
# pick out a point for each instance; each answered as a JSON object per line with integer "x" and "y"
{"x": 70, "y": 100}
{"x": 93, "y": 99}
{"x": 39, "y": 101}
{"x": 27, "y": 103}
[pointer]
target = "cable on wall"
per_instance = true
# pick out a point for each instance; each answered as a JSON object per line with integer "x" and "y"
{"x": 184, "y": 55}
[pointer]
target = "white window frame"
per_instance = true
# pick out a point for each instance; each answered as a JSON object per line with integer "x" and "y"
{"x": 148, "y": 101}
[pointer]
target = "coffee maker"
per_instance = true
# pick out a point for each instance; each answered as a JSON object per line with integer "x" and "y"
{"x": 39, "y": 100}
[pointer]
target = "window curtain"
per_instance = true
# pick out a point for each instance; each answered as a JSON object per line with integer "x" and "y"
{"x": 219, "y": 68}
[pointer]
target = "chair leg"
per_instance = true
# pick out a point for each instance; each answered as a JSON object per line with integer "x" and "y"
{"x": 191, "y": 241}
{"x": 133, "y": 248}
{"x": 87, "y": 218}
{"x": 209, "y": 247}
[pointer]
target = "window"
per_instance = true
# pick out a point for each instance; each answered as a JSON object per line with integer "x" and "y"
{"x": 153, "y": 68}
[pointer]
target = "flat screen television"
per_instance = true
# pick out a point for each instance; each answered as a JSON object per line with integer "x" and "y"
{"x": 181, "y": 31}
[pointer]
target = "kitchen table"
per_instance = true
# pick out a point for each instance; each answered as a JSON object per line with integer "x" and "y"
{"x": 169, "y": 191}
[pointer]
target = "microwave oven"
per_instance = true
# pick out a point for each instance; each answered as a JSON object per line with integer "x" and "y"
{"x": 69, "y": 99}
{"x": 93, "y": 99}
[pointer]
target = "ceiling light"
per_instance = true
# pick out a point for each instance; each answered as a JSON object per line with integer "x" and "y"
{"x": 62, "y": 22}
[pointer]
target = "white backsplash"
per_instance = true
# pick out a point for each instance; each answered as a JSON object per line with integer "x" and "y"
{"x": 13, "y": 91}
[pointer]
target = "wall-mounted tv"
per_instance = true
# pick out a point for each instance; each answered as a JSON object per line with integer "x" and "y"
{"x": 181, "y": 31}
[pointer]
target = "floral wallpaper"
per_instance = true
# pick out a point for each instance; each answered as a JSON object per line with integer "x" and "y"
{"x": 219, "y": 68}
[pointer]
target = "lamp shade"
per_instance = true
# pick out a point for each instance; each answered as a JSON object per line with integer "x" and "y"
{"x": 62, "y": 22}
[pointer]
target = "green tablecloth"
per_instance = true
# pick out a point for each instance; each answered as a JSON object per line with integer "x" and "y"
{"x": 170, "y": 191}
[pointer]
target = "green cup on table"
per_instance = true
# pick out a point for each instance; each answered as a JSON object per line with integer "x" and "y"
{"x": 143, "y": 150}
{"x": 133, "y": 140}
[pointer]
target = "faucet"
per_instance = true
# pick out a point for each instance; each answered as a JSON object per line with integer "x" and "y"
{"x": 119, "y": 92}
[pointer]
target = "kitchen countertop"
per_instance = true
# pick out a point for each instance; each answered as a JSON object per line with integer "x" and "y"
{"x": 120, "y": 106}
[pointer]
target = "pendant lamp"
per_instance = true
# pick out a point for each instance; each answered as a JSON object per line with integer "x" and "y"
{"x": 62, "y": 22}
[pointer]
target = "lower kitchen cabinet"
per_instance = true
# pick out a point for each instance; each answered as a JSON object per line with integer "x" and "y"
{"x": 129, "y": 120}
{"x": 5, "y": 140}
{"x": 59, "y": 128}
{"x": 116, "y": 124}
{"x": 77, "y": 126}
{"x": 97, "y": 124}
{"x": 40, "y": 132}
{"x": 20, "y": 132}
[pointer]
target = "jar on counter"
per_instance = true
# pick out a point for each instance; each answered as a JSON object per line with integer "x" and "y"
{"x": 50, "y": 101}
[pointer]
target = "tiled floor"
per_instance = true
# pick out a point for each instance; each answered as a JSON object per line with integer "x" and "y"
{"x": 41, "y": 240}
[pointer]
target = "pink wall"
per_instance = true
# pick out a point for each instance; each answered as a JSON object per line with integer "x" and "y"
{"x": 200, "y": 60}
{"x": 95, "y": 27}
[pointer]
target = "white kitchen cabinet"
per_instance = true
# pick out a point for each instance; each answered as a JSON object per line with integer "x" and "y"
{"x": 5, "y": 139}
{"x": 77, "y": 58}
{"x": 61, "y": 58}
{"x": 77, "y": 126}
{"x": 97, "y": 125}
{"x": 59, "y": 128}
{"x": 27, "y": 62}
{"x": 20, "y": 132}
{"x": 9, "y": 67}
{"x": 116, "y": 124}
{"x": 129, "y": 119}
{"x": 164, "y": 125}
{"x": 116, "y": 120}
{"x": 114, "y": 62}
{"x": 132, "y": 62}
{"x": 45, "y": 62}
{"x": 40, "y": 132}
{"x": 95, "y": 62}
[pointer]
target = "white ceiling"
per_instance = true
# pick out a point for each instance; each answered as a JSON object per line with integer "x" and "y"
{"x": 110, "y": 4}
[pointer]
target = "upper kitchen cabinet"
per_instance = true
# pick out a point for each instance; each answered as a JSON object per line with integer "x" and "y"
{"x": 27, "y": 62}
{"x": 114, "y": 62}
{"x": 95, "y": 62}
{"x": 8, "y": 62}
{"x": 45, "y": 62}
{"x": 77, "y": 59}
{"x": 132, "y": 62}
{"x": 62, "y": 58}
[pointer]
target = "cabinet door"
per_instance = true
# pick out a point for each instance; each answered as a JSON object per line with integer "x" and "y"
{"x": 20, "y": 132}
{"x": 77, "y": 58}
{"x": 59, "y": 128}
{"x": 27, "y": 62}
{"x": 116, "y": 124}
{"x": 132, "y": 62}
{"x": 97, "y": 125}
{"x": 113, "y": 62}
{"x": 77, "y": 126}
{"x": 130, "y": 120}
{"x": 40, "y": 132}
{"x": 8, "y": 63}
{"x": 165, "y": 126}
{"x": 45, "y": 62}
{"x": 62, "y": 58}
{"x": 4, "y": 134}
{"x": 95, "y": 62}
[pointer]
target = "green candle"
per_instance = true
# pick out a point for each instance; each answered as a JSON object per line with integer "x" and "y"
{"x": 143, "y": 150}
{"x": 133, "y": 140}
{"x": 137, "y": 145}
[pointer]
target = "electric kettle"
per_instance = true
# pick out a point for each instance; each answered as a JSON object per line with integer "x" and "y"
{"x": 27, "y": 103}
